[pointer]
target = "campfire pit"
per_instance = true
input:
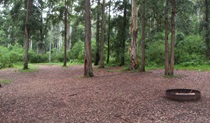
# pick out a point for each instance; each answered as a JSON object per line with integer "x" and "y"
{"x": 183, "y": 94}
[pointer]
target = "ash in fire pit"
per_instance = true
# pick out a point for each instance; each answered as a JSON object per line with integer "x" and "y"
{"x": 183, "y": 94}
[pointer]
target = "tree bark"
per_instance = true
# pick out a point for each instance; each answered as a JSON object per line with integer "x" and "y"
{"x": 109, "y": 32}
{"x": 97, "y": 51}
{"x": 50, "y": 48}
{"x": 166, "y": 40}
{"x": 207, "y": 29}
{"x": 65, "y": 36}
{"x": 88, "y": 71}
{"x": 124, "y": 33}
{"x": 173, "y": 14}
{"x": 134, "y": 37}
{"x": 27, "y": 34}
{"x": 143, "y": 38}
{"x": 101, "y": 62}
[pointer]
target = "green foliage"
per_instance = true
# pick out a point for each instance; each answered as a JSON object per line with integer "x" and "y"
{"x": 4, "y": 57}
{"x": 37, "y": 58}
{"x": 190, "y": 51}
{"x": 155, "y": 53}
{"x": 77, "y": 51}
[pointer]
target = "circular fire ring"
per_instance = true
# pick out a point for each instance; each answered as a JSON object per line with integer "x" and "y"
{"x": 183, "y": 94}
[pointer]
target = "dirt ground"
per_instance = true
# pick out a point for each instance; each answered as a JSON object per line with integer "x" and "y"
{"x": 54, "y": 94}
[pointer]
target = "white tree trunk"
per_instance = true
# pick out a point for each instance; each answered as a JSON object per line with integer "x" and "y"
{"x": 134, "y": 37}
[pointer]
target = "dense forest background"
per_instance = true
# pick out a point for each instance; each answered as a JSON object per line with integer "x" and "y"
{"x": 56, "y": 26}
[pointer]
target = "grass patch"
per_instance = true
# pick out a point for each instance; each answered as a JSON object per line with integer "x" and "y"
{"x": 196, "y": 68}
{"x": 148, "y": 68}
{"x": 5, "y": 81}
{"x": 181, "y": 67}
{"x": 32, "y": 68}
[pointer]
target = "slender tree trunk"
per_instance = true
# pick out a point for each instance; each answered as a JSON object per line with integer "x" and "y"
{"x": 65, "y": 36}
{"x": 88, "y": 70}
{"x": 173, "y": 14}
{"x": 134, "y": 37}
{"x": 166, "y": 39}
{"x": 60, "y": 42}
{"x": 26, "y": 35}
{"x": 101, "y": 62}
{"x": 68, "y": 36}
{"x": 109, "y": 32}
{"x": 50, "y": 53}
{"x": 97, "y": 51}
{"x": 207, "y": 28}
{"x": 69, "y": 29}
{"x": 124, "y": 33}
{"x": 143, "y": 38}
{"x": 41, "y": 37}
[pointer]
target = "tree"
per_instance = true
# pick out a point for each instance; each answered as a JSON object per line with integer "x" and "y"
{"x": 97, "y": 51}
{"x": 143, "y": 38}
{"x": 124, "y": 33}
{"x": 173, "y": 14}
{"x": 28, "y": 12}
{"x": 65, "y": 35}
{"x": 134, "y": 37}
{"x": 101, "y": 62}
{"x": 207, "y": 28}
{"x": 109, "y": 32}
{"x": 166, "y": 39}
{"x": 88, "y": 70}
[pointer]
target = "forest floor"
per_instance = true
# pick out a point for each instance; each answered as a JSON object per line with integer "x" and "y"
{"x": 54, "y": 94}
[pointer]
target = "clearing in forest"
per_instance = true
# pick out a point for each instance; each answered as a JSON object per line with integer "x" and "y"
{"x": 54, "y": 94}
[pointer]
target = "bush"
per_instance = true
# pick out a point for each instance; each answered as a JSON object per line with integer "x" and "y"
{"x": 77, "y": 51}
{"x": 190, "y": 51}
{"x": 155, "y": 53}
{"x": 4, "y": 57}
{"x": 37, "y": 58}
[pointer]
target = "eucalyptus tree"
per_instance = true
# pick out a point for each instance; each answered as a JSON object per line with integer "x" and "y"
{"x": 134, "y": 37}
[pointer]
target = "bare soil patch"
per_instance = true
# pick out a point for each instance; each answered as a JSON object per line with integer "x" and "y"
{"x": 61, "y": 95}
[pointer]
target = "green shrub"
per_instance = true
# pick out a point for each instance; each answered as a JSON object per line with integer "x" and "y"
{"x": 155, "y": 53}
{"x": 4, "y": 57}
{"x": 77, "y": 51}
{"x": 37, "y": 58}
{"x": 190, "y": 51}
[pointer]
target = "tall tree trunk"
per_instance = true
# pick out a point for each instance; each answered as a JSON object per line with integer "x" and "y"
{"x": 124, "y": 33}
{"x": 101, "y": 63}
{"x": 97, "y": 51}
{"x": 143, "y": 38}
{"x": 41, "y": 48}
{"x": 27, "y": 34}
{"x": 109, "y": 32}
{"x": 65, "y": 36}
{"x": 173, "y": 14}
{"x": 207, "y": 29}
{"x": 166, "y": 39}
{"x": 69, "y": 29}
{"x": 69, "y": 36}
{"x": 50, "y": 53}
{"x": 60, "y": 42}
{"x": 134, "y": 37}
{"x": 88, "y": 70}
